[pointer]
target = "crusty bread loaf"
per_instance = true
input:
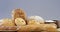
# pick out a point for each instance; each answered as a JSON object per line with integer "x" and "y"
{"x": 41, "y": 27}
{"x": 36, "y": 20}
{"x": 7, "y": 22}
{"x": 18, "y": 13}
{"x": 20, "y": 21}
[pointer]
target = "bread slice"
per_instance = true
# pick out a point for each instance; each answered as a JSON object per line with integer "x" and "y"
{"x": 20, "y": 21}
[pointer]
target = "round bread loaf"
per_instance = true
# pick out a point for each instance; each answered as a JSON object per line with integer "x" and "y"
{"x": 20, "y": 21}
{"x": 18, "y": 13}
{"x": 36, "y": 20}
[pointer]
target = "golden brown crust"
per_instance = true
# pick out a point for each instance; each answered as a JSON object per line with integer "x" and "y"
{"x": 7, "y": 22}
{"x": 41, "y": 27}
{"x": 18, "y": 13}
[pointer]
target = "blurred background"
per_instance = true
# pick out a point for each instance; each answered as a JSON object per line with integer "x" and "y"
{"x": 48, "y": 9}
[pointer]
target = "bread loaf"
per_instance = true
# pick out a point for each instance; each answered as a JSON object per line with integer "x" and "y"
{"x": 36, "y": 20}
{"x": 8, "y": 22}
{"x": 18, "y": 13}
